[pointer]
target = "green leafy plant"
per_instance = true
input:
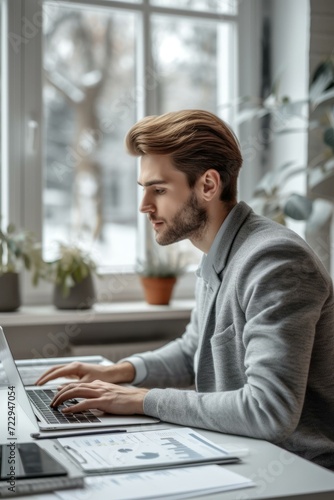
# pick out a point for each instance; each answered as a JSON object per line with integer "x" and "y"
{"x": 270, "y": 197}
{"x": 18, "y": 249}
{"x": 70, "y": 268}
{"x": 161, "y": 266}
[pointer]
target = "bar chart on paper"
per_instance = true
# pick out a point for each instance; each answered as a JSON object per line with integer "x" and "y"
{"x": 143, "y": 450}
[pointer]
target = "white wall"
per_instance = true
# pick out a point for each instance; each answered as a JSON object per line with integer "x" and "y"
{"x": 290, "y": 46}
{"x": 290, "y": 63}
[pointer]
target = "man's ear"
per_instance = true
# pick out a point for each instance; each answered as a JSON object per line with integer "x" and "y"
{"x": 209, "y": 184}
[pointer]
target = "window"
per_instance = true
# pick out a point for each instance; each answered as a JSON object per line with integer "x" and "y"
{"x": 90, "y": 69}
{"x": 218, "y": 6}
{"x": 89, "y": 192}
{"x": 3, "y": 196}
{"x": 185, "y": 54}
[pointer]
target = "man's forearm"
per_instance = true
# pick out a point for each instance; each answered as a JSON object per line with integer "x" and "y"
{"x": 121, "y": 373}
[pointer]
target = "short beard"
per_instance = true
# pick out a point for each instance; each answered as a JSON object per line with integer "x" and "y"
{"x": 188, "y": 223}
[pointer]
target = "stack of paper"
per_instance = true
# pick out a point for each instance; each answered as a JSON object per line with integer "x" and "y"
{"x": 163, "y": 484}
{"x": 166, "y": 463}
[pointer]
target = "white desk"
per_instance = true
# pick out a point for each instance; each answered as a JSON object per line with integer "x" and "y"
{"x": 277, "y": 473}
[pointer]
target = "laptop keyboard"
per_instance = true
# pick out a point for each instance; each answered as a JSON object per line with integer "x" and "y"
{"x": 41, "y": 399}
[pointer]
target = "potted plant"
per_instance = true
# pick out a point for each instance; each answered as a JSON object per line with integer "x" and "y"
{"x": 158, "y": 275}
{"x": 17, "y": 250}
{"x": 320, "y": 125}
{"x": 71, "y": 273}
{"x": 273, "y": 197}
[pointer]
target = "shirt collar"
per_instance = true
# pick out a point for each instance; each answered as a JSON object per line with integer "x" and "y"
{"x": 207, "y": 261}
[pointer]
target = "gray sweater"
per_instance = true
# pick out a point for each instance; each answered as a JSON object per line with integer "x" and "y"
{"x": 259, "y": 346}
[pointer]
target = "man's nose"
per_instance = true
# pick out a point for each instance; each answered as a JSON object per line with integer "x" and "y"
{"x": 146, "y": 205}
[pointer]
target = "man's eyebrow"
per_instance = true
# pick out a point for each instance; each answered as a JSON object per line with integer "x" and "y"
{"x": 152, "y": 183}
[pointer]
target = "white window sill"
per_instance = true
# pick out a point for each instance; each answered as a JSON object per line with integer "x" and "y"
{"x": 100, "y": 313}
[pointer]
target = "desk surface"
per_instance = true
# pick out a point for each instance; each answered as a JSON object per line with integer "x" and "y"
{"x": 276, "y": 472}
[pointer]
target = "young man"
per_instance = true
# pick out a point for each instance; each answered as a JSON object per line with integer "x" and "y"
{"x": 260, "y": 343}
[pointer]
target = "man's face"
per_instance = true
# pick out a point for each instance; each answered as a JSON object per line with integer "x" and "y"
{"x": 171, "y": 206}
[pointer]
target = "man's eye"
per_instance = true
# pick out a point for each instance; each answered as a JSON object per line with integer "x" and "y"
{"x": 160, "y": 191}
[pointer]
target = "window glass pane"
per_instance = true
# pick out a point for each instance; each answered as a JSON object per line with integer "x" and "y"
{"x": 192, "y": 65}
{"x": 1, "y": 111}
{"x": 90, "y": 188}
{"x": 184, "y": 53}
{"x": 220, "y": 6}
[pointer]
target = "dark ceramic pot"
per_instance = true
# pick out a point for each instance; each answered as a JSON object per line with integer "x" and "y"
{"x": 10, "y": 297}
{"x": 81, "y": 296}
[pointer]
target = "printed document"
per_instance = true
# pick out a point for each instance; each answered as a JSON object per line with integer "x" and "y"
{"x": 125, "y": 452}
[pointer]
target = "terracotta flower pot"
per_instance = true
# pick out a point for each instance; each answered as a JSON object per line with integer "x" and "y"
{"x": 10, "y": 297}
{"x": 81, "y": 296}
{"x": 157, "y": 291}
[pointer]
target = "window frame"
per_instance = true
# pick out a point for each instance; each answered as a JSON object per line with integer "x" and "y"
{"x": 25, "y": 124}
{"x": 11, "y": 125}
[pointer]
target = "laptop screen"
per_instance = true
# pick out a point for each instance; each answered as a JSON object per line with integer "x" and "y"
{"x": 10, "y": 377}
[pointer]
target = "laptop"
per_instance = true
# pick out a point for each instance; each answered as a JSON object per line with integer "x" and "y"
{"x": 35, "y": 402}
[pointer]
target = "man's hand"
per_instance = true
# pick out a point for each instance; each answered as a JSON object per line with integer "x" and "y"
{"x": 99, "y": 395}
{"x": 85, "y": 372}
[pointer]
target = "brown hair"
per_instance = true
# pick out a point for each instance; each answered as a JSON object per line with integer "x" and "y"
{"x": 195, "y": 140}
